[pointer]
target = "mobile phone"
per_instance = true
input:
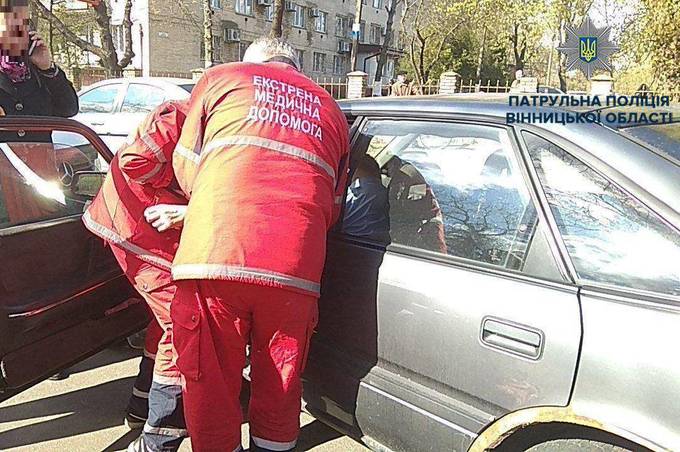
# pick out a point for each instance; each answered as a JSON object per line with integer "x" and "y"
{"x": 31, "y": 43}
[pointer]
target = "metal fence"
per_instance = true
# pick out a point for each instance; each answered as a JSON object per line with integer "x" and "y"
{"x": 674, "y": 95}
{"x": 82, "y": 77}
{"x": 336, "y": 86}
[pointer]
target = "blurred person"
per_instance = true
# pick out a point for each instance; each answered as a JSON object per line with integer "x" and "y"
{"x": 367, "y": 206}
{"x": 263, "y": 159}
{"x": 139, "y": 212}
{"x": 30, "y": 82}
{"x": 402, "y": 87}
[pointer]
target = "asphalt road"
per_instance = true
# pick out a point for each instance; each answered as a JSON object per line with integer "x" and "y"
{"x": 85, "y": 412}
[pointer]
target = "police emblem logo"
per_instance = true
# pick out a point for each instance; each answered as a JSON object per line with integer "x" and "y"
{"x": 588, "y": 48}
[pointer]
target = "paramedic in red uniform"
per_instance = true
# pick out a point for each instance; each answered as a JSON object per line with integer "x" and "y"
{"x": 136, "y": 199}
{"x": 263, "y": 159}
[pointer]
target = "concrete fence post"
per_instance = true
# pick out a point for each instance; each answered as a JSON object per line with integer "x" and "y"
{"x": 129, "y": 72}
{"x": 448, "y": 83}
{"x": 601, "y": 85}
{"x": 196, "y": 74}
{"x": 356, "y": 84}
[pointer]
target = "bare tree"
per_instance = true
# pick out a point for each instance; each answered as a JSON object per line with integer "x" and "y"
{"x": 429, "y": 24}
{"x": 106, "y": 51}
{"x": 208, "y": 48}
{"x": 391, "y": 9}
{"x": 277, "y": 23}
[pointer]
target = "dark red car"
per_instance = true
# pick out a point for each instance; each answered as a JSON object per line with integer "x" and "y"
{"x": 62, "y": 295}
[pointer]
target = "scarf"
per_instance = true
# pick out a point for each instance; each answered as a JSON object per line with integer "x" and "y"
{"x": 16, "y": 71}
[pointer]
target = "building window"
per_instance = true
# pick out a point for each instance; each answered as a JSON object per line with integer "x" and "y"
{"x": 269, "y": 13}
{"x": 376, "y": 34}
{"x": 339, "y": 65}
{"x": 298, "y": 16}
{"x": 389, "y": 71}
{"x": 362, "y": 32}
{"x": 244, "y": 7}
{"x": 118, "y": 33}
{"x": 319, "y": 62}
{"x": 342, "y": 26}
{"x": 377, "y": 4}
{"x": 320, "y": 23}
{"x": 301, "y": 57}
{"x": 242, "y": 46}
{"x": 216, "y": 4}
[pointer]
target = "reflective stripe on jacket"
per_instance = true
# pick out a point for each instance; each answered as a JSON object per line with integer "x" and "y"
{"x": 263, "y": 156}
{"x": 139, "y": 177}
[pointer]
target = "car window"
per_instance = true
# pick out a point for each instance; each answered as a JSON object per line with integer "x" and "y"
{"x": 188, "y": 87}
{"x": 611, "y": 237}
{"x": 142, "y": 98}
{"x": 37, "y": 178}
{"x": 99, "y": 100}
{"x": 453, "y": 189}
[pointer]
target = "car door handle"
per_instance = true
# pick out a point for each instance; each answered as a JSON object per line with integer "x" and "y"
{"x": 96, "y": 123}
{"x": 513, "y": 338}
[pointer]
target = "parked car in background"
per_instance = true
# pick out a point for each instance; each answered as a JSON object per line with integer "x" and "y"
{"x": 115, "y": 107}
{"x": 528, "y": 297}
{"x": 542, "y": 89}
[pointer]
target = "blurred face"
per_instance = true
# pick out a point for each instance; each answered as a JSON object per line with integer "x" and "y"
{"x": 401, "y": 78}
{"x": 13, "y": 29}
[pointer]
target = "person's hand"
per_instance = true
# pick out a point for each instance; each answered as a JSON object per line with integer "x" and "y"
{"x": 41, "y": 57}
{"x": 165, "y": 216}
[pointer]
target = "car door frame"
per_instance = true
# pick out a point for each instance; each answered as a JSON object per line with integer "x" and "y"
{"x": 112, "y": 319}
{"x": 558, "y": 258}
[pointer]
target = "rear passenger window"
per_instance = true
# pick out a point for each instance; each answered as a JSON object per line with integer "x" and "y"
{"x": 37, "y": 178}
{"x": 453, "y": 189}
{"x": 611, "y": 237}
{"x": 142, "y": 98}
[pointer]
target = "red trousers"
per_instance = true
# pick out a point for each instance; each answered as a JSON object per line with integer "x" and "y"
{"x": 213, "y": 321}
{"x": 158, "y": 343}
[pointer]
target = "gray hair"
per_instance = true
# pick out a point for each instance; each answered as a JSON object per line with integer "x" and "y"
{"x": 267, "y": 49}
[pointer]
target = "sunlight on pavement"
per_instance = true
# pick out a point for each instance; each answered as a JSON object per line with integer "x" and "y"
{"x": 85, "y": 412}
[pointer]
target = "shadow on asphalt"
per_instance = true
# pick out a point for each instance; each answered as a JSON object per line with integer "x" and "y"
{"x": 114, "y": 354}
{"x": 315, "y": 434}
{"x": 83, "y": 411}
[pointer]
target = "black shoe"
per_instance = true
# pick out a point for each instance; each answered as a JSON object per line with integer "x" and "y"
{"x": 134, "y": 422}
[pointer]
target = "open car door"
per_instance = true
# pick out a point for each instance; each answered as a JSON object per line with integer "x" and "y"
{"x": 62, "y": 295}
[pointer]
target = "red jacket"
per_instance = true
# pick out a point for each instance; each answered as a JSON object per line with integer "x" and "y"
{"x": 263, "y": 156}
{"x": 140, "y": 177}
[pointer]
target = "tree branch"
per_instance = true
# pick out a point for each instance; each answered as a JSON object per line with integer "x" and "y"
{"x": 68, "y": 34}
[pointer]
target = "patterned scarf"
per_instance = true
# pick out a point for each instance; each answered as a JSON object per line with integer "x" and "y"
{"x": 17, "y": 71}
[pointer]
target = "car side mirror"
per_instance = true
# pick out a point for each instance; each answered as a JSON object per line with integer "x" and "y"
{"x": 87, "y": 183}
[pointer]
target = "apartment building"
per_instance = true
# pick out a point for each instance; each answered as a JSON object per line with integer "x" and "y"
{"x": 168, "y": 34}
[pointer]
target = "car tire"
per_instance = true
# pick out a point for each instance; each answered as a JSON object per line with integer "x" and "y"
{"x": 575, "y": 445}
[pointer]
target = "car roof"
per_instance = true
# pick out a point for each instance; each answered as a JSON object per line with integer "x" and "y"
{"x": 495, "y": 105}
{"x": 157, "y": 81}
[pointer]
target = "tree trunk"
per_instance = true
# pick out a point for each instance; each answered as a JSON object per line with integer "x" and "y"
{"x": 277, "y": 23}
{"x": 480, "y": 58}
{"x": 108, "y": 58}
{"x": 208, "y": 50}
{"x": 561, "y": 62}
{"x": 382, "y": 59}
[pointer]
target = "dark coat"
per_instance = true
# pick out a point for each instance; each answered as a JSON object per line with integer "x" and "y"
{"x": 37, "y": 96}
